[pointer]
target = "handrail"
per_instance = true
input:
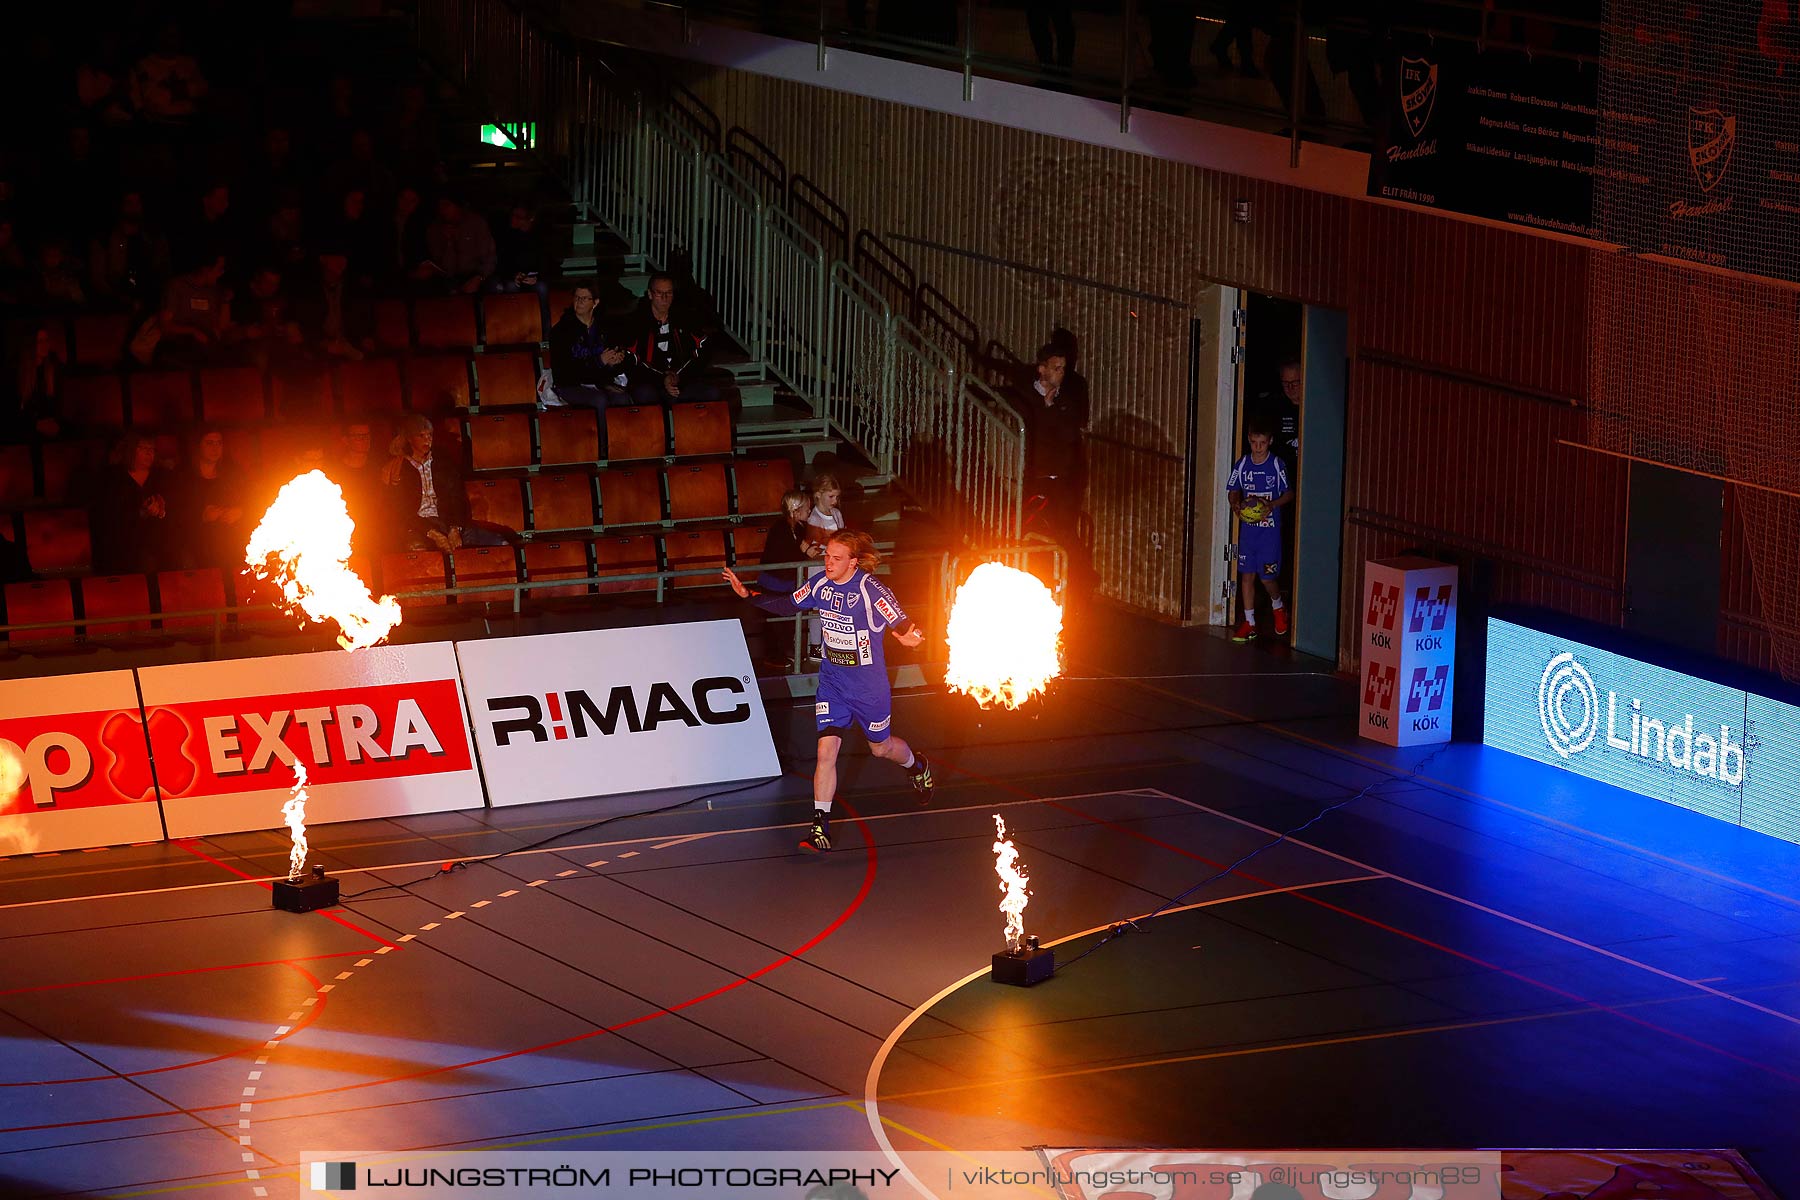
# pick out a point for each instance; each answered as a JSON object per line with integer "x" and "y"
{"x": 816, "y": 325}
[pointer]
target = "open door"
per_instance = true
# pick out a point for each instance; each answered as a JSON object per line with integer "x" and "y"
{"x": 1215, "y": 410}
{"x": 1319, "y": 524}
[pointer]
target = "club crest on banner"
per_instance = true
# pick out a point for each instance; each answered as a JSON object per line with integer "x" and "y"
{"x": 1418, "y": 92}
{"x": 1711, "y": 137}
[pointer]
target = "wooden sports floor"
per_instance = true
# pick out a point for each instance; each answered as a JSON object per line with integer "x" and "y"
{"x": 1473, "y": 951}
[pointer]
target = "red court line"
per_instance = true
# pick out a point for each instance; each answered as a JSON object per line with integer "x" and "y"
{"x": 188, "y": 845}
{"x": 201, "y": 1062}
{"x": 856, "y": 902}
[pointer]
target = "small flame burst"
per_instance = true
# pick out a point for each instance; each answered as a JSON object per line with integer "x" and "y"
{"x": 303, "y": 544}
{"x": 1015, "y": 893}
{"x": 1005, "y": 630}
{"x": 294, "y": 813}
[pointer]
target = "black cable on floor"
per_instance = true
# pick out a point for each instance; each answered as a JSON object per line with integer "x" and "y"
{"x": 1118, "y": 929}
{"x": 450, "y": 868}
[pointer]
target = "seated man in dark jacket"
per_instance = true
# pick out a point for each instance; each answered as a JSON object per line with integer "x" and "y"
{"x": 585, "y": 368}
{"x": 430, "y": 508}
{"x": 666, "y": 360}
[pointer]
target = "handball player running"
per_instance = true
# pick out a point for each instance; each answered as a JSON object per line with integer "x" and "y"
{"x": 855, "y": 609}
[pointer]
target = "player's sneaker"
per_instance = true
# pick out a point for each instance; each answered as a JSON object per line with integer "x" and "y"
{"x": 818, "y": 838}
{"x": 1281, "y": 625}
{"x": 1245, "y": 631}
{"x": 921, "y": 776}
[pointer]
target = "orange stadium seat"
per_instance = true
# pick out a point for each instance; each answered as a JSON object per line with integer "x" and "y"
{"x": 40, "y": 600}
{"x": 233, "y": 395}
{"x": 625, "y": 556}
{"x": 93, "y": 400}
{"x": 299, "y": 395}
{"x": 370, "y": 387}
{"x": 635, "y": 433}
{"x": 747, "y": 544}
{"x": 504, "y": 379}
{"x": 56, "y": 541}
{"x": 761, "y": 482}
{"x": 17, "y": 486}
{"x": 512, "y": 319}
{"x": 478, "y": 566}
{"x": 188, "y": 591}
{"x": 67, "y": 466}
{"x": 160, "y": 399}
{"x": 445, "y": 322}
{"x": 693, "y": 549}
{"x": 393, "y": 327}
{"x": 497, "y": 502}
{"x": 701, "y": 429}
{"x": 562, "y": 502}
{"x": 415, "y": 570}
{"x": 100, "y": 339}
{"x": 499, "y": 440}
{"x": 697, "y": 492}
{"x": 567, "y": 559}
{"x": 116, "y": 596}
{"x": 568, "y": 435}
{"x": 437, "y": 382}
{"x": 630, "y": 496}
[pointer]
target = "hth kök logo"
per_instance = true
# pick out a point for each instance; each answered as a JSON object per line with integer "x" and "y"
{"x": 1426, "y": 692}
{"x": 1429, "y": 614}
{"x": 1384, "y": 606}
{"x": 1378, "y": 693}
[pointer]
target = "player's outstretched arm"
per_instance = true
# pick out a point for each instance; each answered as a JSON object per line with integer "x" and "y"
{"x": 737, "y": 585}
{"x": 911, "y": 638}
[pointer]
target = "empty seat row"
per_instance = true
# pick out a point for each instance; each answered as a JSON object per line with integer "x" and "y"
{"x": 56, "y": 541}
{"x": 179, "y": 603}
{"x": 431, "y": 322}
{"x": 370, "y": 387}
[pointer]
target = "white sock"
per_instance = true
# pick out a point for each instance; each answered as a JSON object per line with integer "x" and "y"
{"x": 910, "y": 759}
{"x": 822, "y": 808}
{"x": 1275, "y": 604}
{"x": 1250, "y": 615}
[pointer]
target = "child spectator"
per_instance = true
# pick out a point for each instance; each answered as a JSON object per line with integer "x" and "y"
{"x": 790, "y": 538}
{"x": 825, "y": 518}
{"x": 1258, "y": 489}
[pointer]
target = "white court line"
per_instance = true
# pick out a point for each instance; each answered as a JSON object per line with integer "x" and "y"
{"x": 480, "y": 858}
{"x": 1568, "y": 939}
{"x": 872, "y": 1104}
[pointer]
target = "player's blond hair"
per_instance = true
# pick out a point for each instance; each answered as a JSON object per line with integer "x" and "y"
{"x": 860, "y": 545}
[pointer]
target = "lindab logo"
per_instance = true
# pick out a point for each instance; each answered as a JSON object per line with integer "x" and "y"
{"x": 1570, "y": 709}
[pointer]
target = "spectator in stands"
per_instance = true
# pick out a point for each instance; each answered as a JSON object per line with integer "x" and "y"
{"x": 284, "y": 234}
{"x": 275, "y": 171}
{"x": 207, "y": 525}
{"x": 100, "y": 90}
{"x": 825, "y": 518}
{"x": 128, "y": 514}
{"x": 791, "y": 537}
{"x": 270, "y": 334}
{"x": 1054, "y": 423}
{"x": 212, "y": 227}
{"x": 410, "y": 133}
{"x": 584, "y": 369}
{"x": 131, "y": 263}
{"x": 39, "y": 388}
{"x": 430, "y": 507}
{"x": 461, "y": 248}
{"x": 336, "y": 317}
{"x": 407, "y": 243}
{"x": 361, "y": 171}
{"x": 665, "y": 359}
{"x": 166, "y": 84}
{"x": 196, "y": 311}
{"x": 520, "y": 256}
{"x": 358, "y": 235}
{"x": 58, "y": 281}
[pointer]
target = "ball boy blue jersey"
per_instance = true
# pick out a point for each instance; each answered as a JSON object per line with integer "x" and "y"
{"x": 1266, "y": 480}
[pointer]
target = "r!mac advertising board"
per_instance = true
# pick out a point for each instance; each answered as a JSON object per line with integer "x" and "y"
{"x": 74, "y": 765}
{"x": 608, "y": 711}
{"x": 1702, "y": 745}
{"x": 382, "y": 732}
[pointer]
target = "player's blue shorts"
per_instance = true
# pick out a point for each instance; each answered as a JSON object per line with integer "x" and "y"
{"x": 1259, "y": 551}
{"x": 843, "y": 698}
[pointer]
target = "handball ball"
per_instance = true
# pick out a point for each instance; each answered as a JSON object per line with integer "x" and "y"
{"x": 1253, "y": 511}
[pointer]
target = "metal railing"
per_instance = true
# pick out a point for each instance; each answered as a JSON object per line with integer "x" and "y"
{"x": 812, "y": 322}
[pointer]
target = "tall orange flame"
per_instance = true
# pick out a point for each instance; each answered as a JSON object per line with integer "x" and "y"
{"x": 303, "y": 544}
{"x": 294, "y": 813}
{"x": 1005, "y": 633}
{"x": 1014, "y": 886}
